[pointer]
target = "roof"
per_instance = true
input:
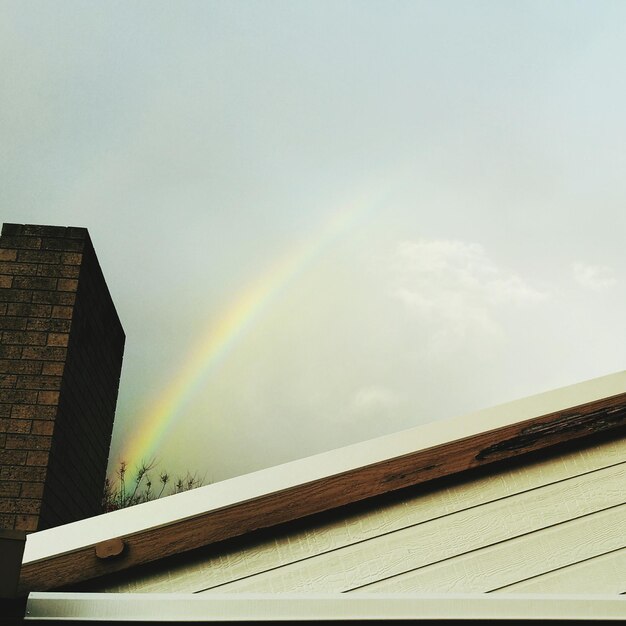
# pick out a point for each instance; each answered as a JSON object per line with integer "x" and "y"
{"x": 150, "y": 531}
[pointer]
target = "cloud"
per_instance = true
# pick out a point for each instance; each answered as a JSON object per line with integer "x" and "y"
{"x": 456, "y": 289}
{"x": 375, "y": 397}
{"x": 594, "y": 277}
{"x": 464, "y": 266}
{"x": 374, "y": 401}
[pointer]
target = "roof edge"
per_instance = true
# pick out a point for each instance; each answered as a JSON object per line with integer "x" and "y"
{"x": 286, "y": 492}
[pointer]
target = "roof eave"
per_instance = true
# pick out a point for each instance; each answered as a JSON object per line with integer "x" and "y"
{"x": 147, "y": 532}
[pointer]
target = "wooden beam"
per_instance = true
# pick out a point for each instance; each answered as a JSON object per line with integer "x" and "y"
{"x": 172, "y": 525}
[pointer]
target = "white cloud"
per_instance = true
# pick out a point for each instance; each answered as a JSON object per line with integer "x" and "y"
{"x": 594, "y": 277}
{"x": 450, "y": 264}
{"x": 373, "y": 399}
{"x": 456, "y": 289}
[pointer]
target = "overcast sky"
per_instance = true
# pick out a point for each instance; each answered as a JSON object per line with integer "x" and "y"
{"x": 393, "y": 212}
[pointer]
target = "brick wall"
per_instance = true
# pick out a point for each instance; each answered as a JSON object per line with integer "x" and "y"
{"x": 61, "y": 346}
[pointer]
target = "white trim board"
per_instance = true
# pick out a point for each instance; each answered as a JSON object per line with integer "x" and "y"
{"x": 319, "y": 607}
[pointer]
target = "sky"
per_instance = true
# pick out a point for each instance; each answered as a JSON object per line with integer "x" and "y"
{"x": 326, "y": 221}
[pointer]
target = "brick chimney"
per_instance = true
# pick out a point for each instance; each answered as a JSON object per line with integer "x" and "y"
{"x": 61, "y": 347}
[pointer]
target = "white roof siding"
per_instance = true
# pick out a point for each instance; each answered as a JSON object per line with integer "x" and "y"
{"x": 601, "y": 574}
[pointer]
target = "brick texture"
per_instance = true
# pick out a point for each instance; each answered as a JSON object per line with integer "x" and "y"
{"x": 61, "y": 347}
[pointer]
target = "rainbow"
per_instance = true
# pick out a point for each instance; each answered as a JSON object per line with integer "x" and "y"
{"x": 229, "y": 329}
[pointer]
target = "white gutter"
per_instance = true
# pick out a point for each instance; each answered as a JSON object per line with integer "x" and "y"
{"x": 319, "y": 607}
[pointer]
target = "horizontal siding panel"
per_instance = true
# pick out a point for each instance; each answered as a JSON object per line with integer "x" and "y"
{"x": 603, "y": 574}
{"x": 203, "y": 569}
{"x": 444, "y": 538}
{"x": 517, "y": 559}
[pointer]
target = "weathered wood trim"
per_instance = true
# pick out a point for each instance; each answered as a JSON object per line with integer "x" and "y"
{"x": 359, "y": 523}
{"x": 151, "y": 531}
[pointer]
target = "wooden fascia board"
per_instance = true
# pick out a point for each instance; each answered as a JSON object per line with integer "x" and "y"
{"x": 67, "y": 554}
